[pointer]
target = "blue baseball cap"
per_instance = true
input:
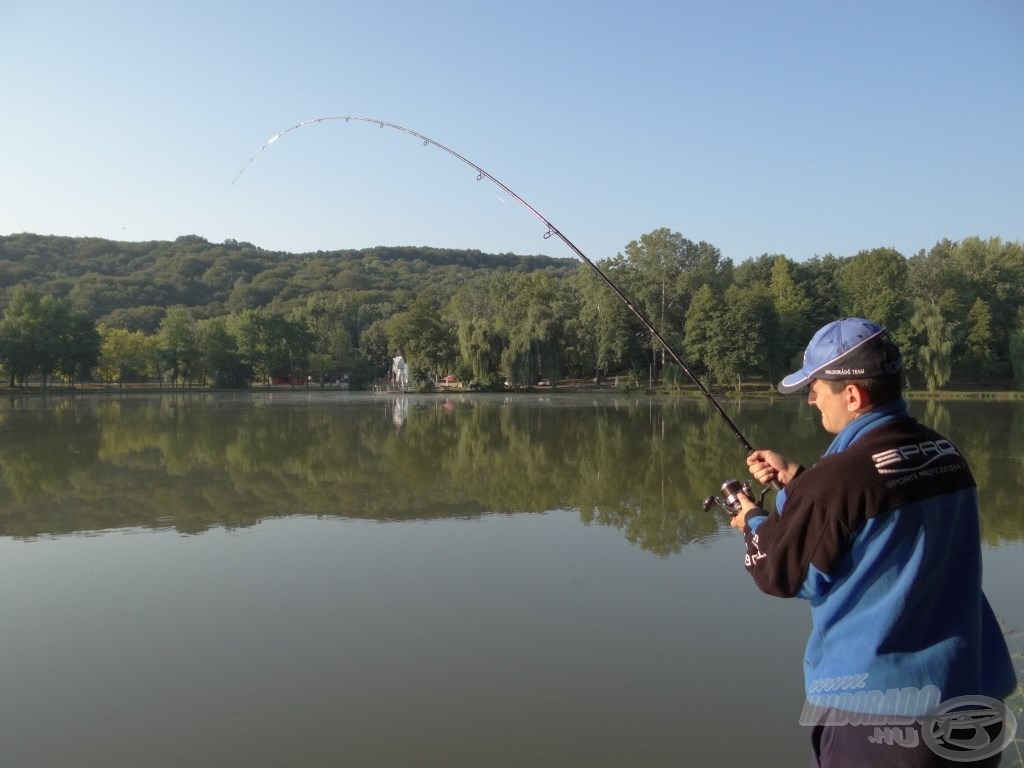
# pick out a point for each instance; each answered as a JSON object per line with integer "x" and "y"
{"x": 851, "y": 348}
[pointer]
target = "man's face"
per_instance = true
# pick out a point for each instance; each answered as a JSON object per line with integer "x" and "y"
{"x": 835, "y": 408}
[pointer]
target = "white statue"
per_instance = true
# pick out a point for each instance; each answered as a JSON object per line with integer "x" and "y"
{"x": 399, "y": 370}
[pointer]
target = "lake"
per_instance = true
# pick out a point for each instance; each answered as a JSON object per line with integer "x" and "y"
{"x": 311, "y": 578}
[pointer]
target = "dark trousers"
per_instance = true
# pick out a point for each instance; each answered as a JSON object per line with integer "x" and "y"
{"x": 869, "y": 746}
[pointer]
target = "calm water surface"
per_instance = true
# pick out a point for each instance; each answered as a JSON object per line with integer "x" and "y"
{"x": 321, "y": 579}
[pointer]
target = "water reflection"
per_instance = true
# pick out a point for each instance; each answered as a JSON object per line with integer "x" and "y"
{"x": 640, "y": 465}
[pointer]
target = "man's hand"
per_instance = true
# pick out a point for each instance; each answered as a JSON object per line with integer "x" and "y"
{"x": 739, "y": 520}
{"x": 766, "y": 466}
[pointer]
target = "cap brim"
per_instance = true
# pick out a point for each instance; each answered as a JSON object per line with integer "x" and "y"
{"x": 794, "y": 382}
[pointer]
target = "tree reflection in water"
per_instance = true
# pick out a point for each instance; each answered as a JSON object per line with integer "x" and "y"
{"x": 642, "y": 465}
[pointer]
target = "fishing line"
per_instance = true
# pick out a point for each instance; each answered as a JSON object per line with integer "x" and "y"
{"x": 551, "y": 231}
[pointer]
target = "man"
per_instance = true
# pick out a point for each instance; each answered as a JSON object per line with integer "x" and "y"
{"x": 881, "y": 536}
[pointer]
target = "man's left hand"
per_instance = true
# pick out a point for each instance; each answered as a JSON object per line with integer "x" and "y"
{"x": 739, "y": 521}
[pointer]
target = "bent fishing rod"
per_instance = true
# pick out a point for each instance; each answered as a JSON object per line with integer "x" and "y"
{"x": 552, "y": 230}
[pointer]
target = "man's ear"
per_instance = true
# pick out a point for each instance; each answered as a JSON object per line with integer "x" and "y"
{"x": 856, "y": 398}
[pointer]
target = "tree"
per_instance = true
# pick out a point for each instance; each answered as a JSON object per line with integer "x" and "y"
{"x": 21, "y": 334}
{"x": 932, "y": 276}
{"x": 603, "y": 325}
{"x": 535, "y": 347}
{"x": 873, "y": 285}
{"x": 1017, "y": 358}
{"x": 473, "y": 310}
{"x": 54, "y": 325}
{"x": 428, "y": 342}
{"x": 957, "y": 276}
{"x": 331, "y": 346}
{"x": 994, "y": 272}
{"x": 730, "y": 337}
{"x": 792, "y": 308}
{"x": 247, "y": 330}
{"x": 79, "y": 348}
{"x": 932, "y": 350}
{"x": 705, "y": 332}
{"x": 270, "y": 345}
{"x": 375, "y": 349}
{"x": 532, "y": 311}
{"x": 979, "y": 337}
{"x": 285, "y": 346}
{"x": 219, "y": 361}
{"x": 179, "y": 348}
{"x": 321, "y": 314}
{"x": 39, "y": 334}
{"x": 756, "y": 271}
{"x": 480, "y": 346}
{"x": 125, "y": 355}
{"x": 819, "y": 278}
{"x": 662, "y": 271}
{"x": 751, "y": 328}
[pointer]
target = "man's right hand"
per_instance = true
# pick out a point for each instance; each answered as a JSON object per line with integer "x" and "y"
{"x": 767, "y": 466}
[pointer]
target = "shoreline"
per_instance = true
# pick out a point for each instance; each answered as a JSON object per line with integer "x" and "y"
{"x": 99, "y": 390}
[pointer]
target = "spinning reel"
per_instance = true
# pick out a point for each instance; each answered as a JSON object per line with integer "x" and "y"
{"x": 730, "y": 502}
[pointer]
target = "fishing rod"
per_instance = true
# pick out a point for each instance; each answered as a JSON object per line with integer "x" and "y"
{"x": 552, "y": 230}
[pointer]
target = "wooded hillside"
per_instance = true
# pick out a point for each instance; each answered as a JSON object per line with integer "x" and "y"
{"x": 131, "y": 284}
{"x": 231, "y": 314}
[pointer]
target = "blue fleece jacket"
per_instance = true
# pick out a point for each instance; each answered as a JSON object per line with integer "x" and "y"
{"x": 881, "y": 536}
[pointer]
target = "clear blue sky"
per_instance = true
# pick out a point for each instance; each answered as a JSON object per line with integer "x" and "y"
{"x": 804, "y": 127}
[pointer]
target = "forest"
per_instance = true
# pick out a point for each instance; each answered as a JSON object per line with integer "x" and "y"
{"x": 195, "y": 313}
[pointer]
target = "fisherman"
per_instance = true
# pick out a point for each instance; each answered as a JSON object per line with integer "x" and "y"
{"x": 881, "y": 535}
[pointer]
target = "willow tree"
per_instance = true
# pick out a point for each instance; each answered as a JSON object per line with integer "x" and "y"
{"x": 534, "y": 311}
{"x": 480, "y": 341}
{"x": 932, "y": 354}
{"x": 480, "y": 348}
